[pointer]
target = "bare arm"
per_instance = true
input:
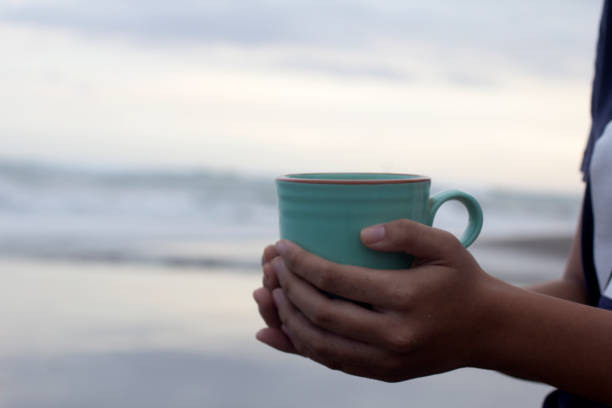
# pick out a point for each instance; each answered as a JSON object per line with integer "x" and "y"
{"x": 572, "y": 285}
{"x": 442, "y": 314}
{"x": 551, "y": 340}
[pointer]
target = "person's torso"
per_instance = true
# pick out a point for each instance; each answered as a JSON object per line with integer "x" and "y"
{"x": 596, "y": 237}
{"x": 600, "y": 180}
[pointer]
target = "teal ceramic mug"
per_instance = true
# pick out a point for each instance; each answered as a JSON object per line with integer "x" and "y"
{"x": 324, "y": 213}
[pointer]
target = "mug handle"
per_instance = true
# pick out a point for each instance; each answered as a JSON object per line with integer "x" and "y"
{"x": 474, "y": 211}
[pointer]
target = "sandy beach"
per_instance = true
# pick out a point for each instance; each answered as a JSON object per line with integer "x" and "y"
{"x": 119, "y": 334}
{"x": 141, "y": 144}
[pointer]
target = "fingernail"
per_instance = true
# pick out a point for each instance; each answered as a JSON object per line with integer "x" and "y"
{"x": 266, "y": 274}
{"x": 373, "y": 234}
{"x": 277, "y": 296}
{"x": 258, "y": 335}
{"x": 278, "y": 265}
{"x": 281, "y": 247}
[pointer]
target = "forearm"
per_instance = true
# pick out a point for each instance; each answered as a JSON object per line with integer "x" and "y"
{"x": 543, "y": 338}
{"x": 572, "y": 285}
{"x": 563, "y": 288}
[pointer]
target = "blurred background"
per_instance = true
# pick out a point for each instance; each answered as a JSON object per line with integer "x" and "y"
{"x": 140, "y": 140}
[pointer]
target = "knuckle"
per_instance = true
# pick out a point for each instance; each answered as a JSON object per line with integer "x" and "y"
{"x": 421, "y": 233}
{"x": 322, "y": 351}
{"x": 283, "y": 317}
{"x": 402, "y": 224}
{"x": 400, "y": 340}
{"x": 296, "y": 259}
{"x": 318, "y": 272}
{"x": 288, "y": 288}
{"x": 397, "y": 229}
{"x": 325, "y": 276}
{"x": 451, "y": 243}
{"x": 267, "y": 275}
{"x": 269, "y": 253}
{"x": 402, "y": 296}
{"x": 321, "y": 315}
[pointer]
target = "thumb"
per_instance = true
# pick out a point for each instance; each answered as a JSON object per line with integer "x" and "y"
{"x": 411, "y": 237}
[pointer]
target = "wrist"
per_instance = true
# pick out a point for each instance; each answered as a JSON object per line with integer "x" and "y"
{"x": 542, "y": 338}
{"x": 494, "y": 319}
{"x": 518, "y": 332}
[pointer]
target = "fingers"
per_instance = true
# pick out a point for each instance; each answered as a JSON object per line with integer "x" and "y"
{"x": 272, "y": 335}
{"x": 277, "y": 339}
{"x": 333, "y": 351}
{"x": 269, "y": 276}
{"x": 412, "y": 237}
{"x": 267, "y": 308}
{"x": 269, "y": 253}
{"x": 270, "y": 280}
{"x": 335, "y": 315}
{"x": 352, "y": 282}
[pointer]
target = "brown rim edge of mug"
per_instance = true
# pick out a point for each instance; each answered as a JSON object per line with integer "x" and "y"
{"x": 415, "y": 179}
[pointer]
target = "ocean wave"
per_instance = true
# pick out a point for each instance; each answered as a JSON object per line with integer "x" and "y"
{"x": 49, "y": 211}
{"x": 69, "y": 250}
{"x": 34, "y": 187}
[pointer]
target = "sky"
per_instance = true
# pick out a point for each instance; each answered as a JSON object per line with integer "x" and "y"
{"x": 473, "y": 92}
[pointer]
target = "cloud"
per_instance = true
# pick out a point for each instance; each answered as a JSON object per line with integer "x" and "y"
{"x": 271, "y": 108}
{"x": 245, "y": 22}
{"x": 544, "y": 37}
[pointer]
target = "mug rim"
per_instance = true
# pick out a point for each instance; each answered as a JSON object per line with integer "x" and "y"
{"x": 294, "y": 178}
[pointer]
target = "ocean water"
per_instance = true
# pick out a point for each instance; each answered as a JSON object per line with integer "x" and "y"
{"x": 133, "y": 288}
{"x": 200, "y": 218}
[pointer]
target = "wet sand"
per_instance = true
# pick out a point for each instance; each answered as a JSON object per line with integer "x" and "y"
{"x": 98, "y": 335}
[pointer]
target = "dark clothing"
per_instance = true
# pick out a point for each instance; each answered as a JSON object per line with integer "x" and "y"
{"x": 601, "y": 112}
{"x": 559, "y": 398}
{"x": 601, "y": 99}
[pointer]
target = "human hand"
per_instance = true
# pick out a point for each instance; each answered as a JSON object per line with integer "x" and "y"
{"x": 428, "y": 319}
{"x": 271, "y": 335}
